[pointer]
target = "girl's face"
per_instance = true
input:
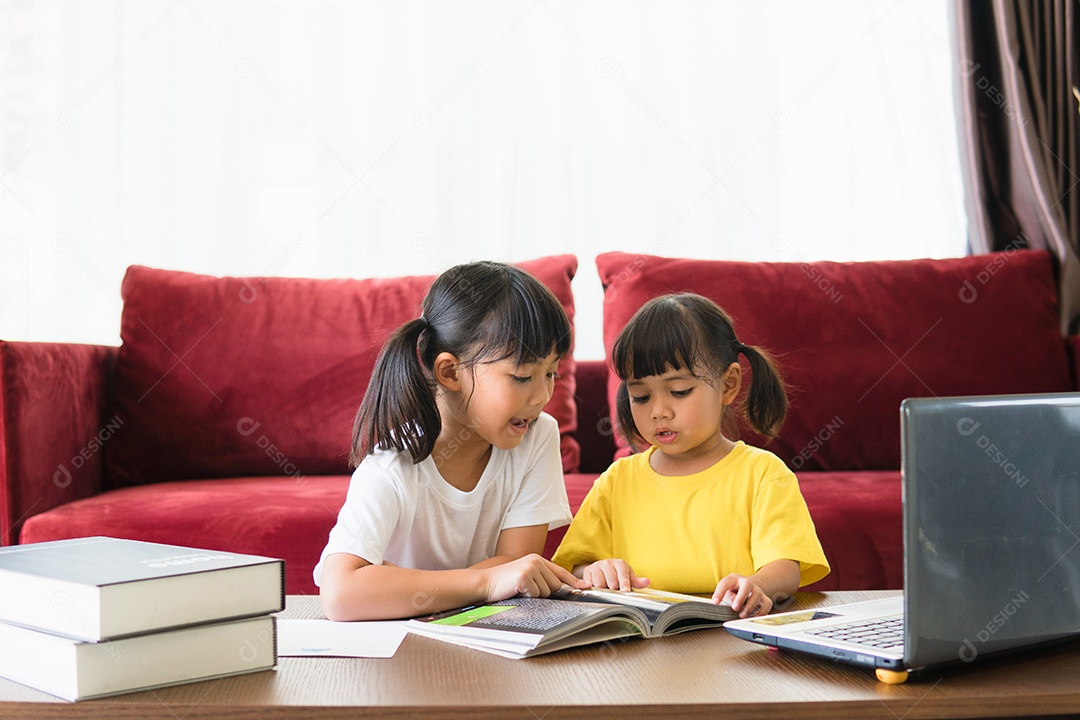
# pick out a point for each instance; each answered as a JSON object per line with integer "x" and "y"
{"x": 681, "y": 415}
{"x": 500, "y": 401}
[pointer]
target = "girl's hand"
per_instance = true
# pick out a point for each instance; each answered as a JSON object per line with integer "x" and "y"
{"x": 745, "y": 596}
{"x": 614, "y": 574}
{"x": 530, "y": 576}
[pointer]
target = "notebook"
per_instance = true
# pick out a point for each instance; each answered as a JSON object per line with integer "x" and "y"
{"x": 991, "y": 493}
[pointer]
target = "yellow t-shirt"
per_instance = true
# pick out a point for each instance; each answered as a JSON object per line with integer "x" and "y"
{"x": 686, "y": 533}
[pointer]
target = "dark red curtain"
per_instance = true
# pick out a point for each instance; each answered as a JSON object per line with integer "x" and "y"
{"x": 1019, "y": 120}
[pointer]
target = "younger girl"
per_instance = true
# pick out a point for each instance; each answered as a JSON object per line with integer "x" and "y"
{"x": 458, "y": 475}
{"x": 696, "y": 512}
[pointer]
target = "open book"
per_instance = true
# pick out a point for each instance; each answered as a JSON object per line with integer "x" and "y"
{"x": 522, "y": 627}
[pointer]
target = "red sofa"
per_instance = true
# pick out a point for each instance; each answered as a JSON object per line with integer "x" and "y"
{"x": 223, "y": 419}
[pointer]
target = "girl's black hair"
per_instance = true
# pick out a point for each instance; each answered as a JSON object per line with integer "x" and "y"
{"x": 479, "y": 312}
{"x": 688, "y": 331}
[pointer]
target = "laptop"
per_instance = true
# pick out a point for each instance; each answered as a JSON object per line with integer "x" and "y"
{"x": 991, "y": 494}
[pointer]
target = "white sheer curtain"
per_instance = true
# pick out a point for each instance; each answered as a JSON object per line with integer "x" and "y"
{"x": 382, "y": 138}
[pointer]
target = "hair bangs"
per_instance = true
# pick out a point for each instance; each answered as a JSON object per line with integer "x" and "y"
{"x": 658, "y": 339}
{"x": 527, "y": 324}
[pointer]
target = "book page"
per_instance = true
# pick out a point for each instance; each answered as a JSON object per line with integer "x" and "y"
{"x": 530, "y": 615}
{"x": 676, "y": 608}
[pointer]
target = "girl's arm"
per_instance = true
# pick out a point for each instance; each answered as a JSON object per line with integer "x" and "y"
{"x": 515, "y": 543}
{"x": 756, "y": 594}
{"x": 354, "y": 589}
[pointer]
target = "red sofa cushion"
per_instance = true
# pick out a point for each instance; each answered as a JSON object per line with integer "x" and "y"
{"x": 230, "y": 376}
{"x": 854, "y": 339}
{"x": 246, "y": 515}
{"x": 859, "y": 521}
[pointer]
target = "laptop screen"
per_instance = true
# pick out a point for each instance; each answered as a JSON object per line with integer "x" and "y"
{"x": 991, "y": 523}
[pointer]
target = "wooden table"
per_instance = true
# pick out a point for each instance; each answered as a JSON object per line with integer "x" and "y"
{"x": 706, "y": 673}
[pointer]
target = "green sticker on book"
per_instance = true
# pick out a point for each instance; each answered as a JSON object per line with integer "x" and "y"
{"x": 476, "y": 613}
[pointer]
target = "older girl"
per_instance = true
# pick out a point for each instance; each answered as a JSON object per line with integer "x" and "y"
{"x": 458, "y": 476}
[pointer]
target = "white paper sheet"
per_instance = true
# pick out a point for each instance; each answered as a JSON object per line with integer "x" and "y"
{"x": 325, "y": 638}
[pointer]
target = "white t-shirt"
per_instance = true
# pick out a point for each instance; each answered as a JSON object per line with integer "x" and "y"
{"x": 409, "y": 515}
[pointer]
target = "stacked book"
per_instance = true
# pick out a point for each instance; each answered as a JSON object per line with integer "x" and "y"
{"x": 99, "y": 616}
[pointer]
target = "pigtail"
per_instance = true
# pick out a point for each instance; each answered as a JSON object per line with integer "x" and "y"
{"x": 766, "y": 401}
{"x": 398, "y": 410}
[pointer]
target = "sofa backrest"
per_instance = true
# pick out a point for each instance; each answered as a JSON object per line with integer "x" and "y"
{"x": 854, "y": 339}
{"x": 224, "y": 377}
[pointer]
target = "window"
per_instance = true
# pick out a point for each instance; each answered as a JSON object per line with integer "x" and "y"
{"x": 396, "y": 137}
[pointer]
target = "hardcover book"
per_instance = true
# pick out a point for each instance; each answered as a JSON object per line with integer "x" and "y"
{"x": 101, "y": 588}
{"x": 78, "y": 670}
{"x": 523, "y": 627}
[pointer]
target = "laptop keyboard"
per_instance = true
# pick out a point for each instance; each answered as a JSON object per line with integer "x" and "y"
{"x": 883, "y": 633}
